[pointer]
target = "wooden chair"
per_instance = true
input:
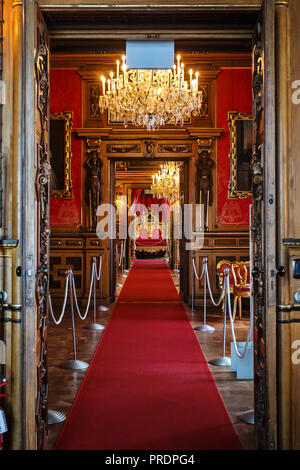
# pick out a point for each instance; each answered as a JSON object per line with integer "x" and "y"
{"x": 241, "y": 289}
{"x": 221, "y": 266}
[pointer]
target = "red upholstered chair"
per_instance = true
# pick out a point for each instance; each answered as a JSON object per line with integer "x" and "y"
{"x": 221, "y": 266}
{"x": 241, "y": 289}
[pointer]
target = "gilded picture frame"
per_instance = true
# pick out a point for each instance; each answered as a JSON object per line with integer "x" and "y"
{"x": 60, "y": 154}
{"x": 240, "y": 128}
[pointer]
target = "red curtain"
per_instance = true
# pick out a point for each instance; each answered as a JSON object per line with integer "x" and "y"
{"x": 138, "y": 198}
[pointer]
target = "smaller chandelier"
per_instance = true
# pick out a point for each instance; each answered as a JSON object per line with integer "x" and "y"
{"x": 165, "y": 183}
{"x": 150, "y": 98}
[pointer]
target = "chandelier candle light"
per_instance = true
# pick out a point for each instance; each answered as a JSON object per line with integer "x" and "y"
{"x": 150, "y": 98}
{"x": 165, "y": 183}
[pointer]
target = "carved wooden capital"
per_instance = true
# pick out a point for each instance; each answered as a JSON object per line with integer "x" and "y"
{"x": 205, "y": 144}
{"x": 93, "y": 145}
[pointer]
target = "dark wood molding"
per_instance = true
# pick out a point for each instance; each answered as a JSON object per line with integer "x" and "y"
{"x": 121, "y": 134}
{"x": 209, "y": 63}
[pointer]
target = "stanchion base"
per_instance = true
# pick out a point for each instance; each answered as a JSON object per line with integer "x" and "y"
{"x": 247, "y": 417}
{"x": 103, "y": 308}
{"x": 95, "y": 326}
{"x": 126, "y": 270}
{"x": 221, "y": 361}
{"x": 205, "y": 328}
{"x": 119, "y": 284}
{"x": 55, "y": 417}
{"x": 124, "y": 275}
{"x": 75, "y": 365}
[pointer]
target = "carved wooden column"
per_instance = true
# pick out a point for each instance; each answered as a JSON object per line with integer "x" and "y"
{"x": 93, "y": 154}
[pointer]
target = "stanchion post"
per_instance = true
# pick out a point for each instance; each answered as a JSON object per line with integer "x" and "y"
{"x": 104, "y": 308}
{"x": 223, "y": 360}
{"x": 126, "y": 270}
{"x": 193, "y": 281}
{"x": 123, "y": 260}
{"x": 249, "y": 415}
{"x": 95, "y": 325}
{"x": 73, "y": 323}
{"x": 118, "y": 284}
{"x": 205, "y": 328}
{"x": 74, "y": 364}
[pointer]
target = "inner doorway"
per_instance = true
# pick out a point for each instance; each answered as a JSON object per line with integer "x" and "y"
{"x": 154, "y": 220}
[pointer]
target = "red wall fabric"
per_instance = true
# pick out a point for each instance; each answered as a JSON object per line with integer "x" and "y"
{"x": 66, "y": 95}
{"x": 234, "y": 90}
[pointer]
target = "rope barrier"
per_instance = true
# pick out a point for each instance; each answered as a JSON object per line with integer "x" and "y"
{"x": 57, "y": 322}
{"x": 240, "y": 355}
{"x": 98, "y": 275}
{"x": 70, "y": 287}
{"x": 83, "y": 317}
{"x": 203, "y": 269}
{"x": 218, "y": 303}
{"x": 205, "y": 327}
{"x": 227, "y": 306}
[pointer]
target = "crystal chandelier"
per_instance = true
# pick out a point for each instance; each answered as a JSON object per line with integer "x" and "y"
{"x": 150, "y": 98}
{"x": 165, "y": 183}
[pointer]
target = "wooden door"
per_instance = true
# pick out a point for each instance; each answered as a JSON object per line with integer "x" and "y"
{"x": 264, "y": 228}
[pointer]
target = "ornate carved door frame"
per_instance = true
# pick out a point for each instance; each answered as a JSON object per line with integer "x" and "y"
{"x": 184, "y": 254}
{"x": 264, "y": 228}
{"x": 35, "y": 221}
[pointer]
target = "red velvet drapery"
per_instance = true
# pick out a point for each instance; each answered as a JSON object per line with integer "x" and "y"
{"x": 140, "y": 199}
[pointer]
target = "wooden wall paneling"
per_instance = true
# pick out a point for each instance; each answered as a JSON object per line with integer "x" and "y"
{"x": 76, "y": 252}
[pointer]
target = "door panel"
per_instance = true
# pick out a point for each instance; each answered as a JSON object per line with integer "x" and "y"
{"x": 264, "y": 227}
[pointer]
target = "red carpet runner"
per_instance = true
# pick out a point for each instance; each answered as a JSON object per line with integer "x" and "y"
{"x": 148, "y": 385}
